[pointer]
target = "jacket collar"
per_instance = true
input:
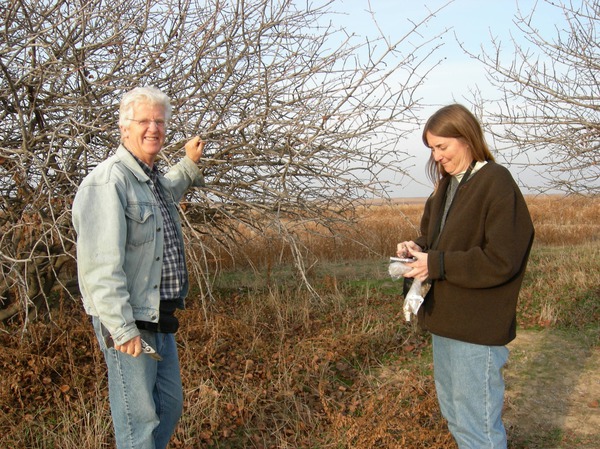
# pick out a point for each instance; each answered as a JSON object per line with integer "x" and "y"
{"x": 129, "y": 161}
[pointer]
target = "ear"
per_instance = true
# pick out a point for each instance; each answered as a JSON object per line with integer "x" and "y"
{"x": 124, "y": 131}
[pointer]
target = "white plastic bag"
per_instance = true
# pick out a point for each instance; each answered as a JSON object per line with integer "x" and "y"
{"x": 413, "y": 299}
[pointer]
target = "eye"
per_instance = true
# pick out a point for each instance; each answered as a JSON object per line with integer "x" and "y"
{"x": 145, "y": 123}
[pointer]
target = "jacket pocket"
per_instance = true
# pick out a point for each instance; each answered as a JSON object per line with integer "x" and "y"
{"x": 141, "y": 224}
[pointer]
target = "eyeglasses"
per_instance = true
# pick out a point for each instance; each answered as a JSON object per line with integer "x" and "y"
{"x": 147, "y": 123}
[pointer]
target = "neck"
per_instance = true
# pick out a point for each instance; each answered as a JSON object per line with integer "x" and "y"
{"x": 465, "y": 167}
{"x": 145, "y": 158}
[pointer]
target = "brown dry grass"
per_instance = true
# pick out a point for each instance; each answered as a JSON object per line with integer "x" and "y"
{"x": 570, "y": 220}
{"x": 375, "y": 229}
{"x": 272, "y": 366}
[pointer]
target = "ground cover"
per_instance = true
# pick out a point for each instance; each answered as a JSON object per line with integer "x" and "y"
{"x": 268, "y": 363}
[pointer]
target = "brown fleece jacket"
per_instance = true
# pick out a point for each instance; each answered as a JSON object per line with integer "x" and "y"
{"x": 478, "y": 264}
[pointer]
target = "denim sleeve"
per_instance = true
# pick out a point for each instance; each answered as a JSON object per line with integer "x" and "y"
{"x": 182, "y": 176}
{"x": 100, "y": 223}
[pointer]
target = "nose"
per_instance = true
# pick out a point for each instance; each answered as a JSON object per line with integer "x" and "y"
{"x": 436, "y": 155}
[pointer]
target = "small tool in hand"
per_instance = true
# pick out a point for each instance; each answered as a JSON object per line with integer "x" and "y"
{"x": 146, "y": 348}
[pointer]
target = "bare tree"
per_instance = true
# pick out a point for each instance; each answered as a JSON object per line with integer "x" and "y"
{"x": 300, "y": 117}
{"x": 549, "y": 113}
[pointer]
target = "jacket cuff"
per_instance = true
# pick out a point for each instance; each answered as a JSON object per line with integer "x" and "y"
{"x": 193, "y": 171}
{"x": 125, "y": 334}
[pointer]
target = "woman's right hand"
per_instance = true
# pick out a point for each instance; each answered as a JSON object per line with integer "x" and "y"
{"x": 404, "y": 249}
{"x": 132, "y": 347}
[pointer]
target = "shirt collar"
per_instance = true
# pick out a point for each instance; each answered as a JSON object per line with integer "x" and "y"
{"x": 474, "y": 169}
{"x": 151, "y": 172}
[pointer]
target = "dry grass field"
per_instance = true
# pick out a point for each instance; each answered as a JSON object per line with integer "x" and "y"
{"x": 270, "y": 363}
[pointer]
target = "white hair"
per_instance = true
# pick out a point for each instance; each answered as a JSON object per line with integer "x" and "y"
{"x": 150, "y": 95}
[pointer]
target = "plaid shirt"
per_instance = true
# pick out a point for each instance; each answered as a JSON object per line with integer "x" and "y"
{"x": 173, "y": 267}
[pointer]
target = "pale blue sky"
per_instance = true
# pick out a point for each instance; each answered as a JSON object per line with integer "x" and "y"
{"x": 473, "y": 22}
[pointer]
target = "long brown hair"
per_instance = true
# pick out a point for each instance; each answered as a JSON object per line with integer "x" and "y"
{"x": 458, "y": 122}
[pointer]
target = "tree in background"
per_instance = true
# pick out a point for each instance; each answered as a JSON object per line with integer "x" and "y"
{"x": 300, "y": 117}
{"x": 549, "y": 114}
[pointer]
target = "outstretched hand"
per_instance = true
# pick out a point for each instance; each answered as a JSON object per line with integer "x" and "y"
{"x": 194, "y": 148}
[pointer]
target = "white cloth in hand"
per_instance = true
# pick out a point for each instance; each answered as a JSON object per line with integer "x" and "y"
{"x": 413, "y": 299}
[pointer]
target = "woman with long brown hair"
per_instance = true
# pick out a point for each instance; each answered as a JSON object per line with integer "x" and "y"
{"x": 476, "y": 235}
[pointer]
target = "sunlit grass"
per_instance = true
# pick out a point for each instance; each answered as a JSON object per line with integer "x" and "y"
{"x": 270, "y": 363}
{"x": 376, "y": 229}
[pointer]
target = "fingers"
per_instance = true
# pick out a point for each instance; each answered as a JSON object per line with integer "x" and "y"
{"x": 402, "y": 249}
{"x": 132, "y": 347}
{"x": 406, "y": 249}
{"x": 419, "y": 267}
{"x": 193, "y": 143}
{"x": 194, "y": 148}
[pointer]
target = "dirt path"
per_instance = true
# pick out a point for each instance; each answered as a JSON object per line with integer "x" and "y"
{"x": 552, "y": 392}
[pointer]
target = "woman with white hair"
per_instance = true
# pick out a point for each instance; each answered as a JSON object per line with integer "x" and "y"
{"x": 131, "y": 269}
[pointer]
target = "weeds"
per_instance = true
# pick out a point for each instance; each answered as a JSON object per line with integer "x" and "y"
{"x": 269, "y": 365}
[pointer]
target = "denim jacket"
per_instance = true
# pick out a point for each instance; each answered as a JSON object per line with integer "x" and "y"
{"x": 120, "y": 240}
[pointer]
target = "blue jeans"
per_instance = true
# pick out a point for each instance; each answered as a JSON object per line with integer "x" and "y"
{"x": 470, "y": 390}
{"x": 146, "y": 397}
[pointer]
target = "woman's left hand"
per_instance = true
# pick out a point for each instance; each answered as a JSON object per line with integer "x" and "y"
{"x": 194, "y": 148}
{"x": 419, "y": 267}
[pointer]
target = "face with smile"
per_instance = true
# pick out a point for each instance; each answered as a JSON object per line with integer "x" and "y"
{"x": 144, "y": 134}
{"x": 452, "y": 153}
